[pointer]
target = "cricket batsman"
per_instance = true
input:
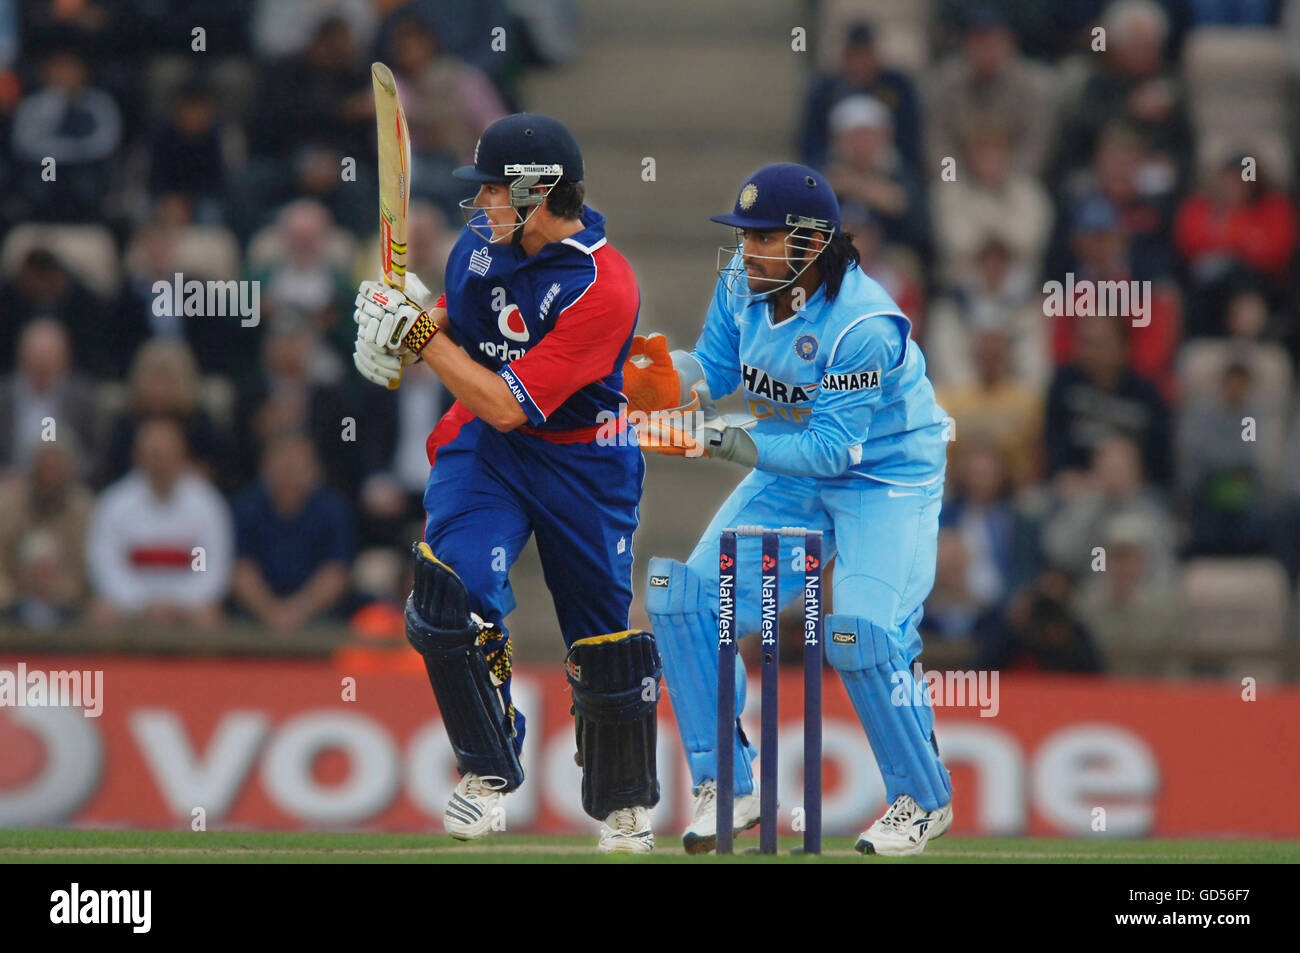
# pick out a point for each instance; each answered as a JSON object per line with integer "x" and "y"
{"x": 843, "y": 435}
{"x": 530, "y": 336}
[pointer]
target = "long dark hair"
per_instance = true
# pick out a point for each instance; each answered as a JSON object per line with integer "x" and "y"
{"x": 836, "y": 259}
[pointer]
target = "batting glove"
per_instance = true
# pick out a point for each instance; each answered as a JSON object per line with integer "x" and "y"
{"x": 387, "y": 318}
{"x": 377, "y": 365}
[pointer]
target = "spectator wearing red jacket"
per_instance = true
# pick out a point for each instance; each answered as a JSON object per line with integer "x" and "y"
{"x": 1236, "y": 227}
{"x": 1101, "y": 251}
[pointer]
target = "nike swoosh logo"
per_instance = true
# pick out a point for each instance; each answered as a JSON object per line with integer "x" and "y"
{"x": 892, "y": 493}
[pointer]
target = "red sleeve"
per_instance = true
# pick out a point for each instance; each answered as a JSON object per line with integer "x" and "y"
{"x": 1195, "y": 234}
{"x": 1152, "y": 349}
{"x": 1264, "y": 235}
{"x": 586, "y": 341}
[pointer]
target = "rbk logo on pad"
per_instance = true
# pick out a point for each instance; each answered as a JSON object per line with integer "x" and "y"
{"x": 511, "y": 323}
{"x": 844, "y": 638}
{"x": 659, "y": 582}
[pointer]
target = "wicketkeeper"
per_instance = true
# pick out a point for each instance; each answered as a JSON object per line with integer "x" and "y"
{"x": 843, "y": 435}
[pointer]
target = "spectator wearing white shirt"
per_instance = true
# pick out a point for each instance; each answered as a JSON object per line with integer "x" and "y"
{"x": 160, "y": 546}
{"x": 989, "y": 199}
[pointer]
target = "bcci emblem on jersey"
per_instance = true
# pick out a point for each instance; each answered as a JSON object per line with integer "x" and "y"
{"x": 806, "y": 346}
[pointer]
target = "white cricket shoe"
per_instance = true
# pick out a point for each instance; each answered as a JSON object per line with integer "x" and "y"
{"x": 904, "y": 829}
{"x": 472, "y": 806}
{"x": 701, "y": 834}
{"x": 627, "y": 831}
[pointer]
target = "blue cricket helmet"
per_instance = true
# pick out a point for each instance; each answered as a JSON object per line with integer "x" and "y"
{"x": 524, "y": 139}
{"x": 785, "y": 195}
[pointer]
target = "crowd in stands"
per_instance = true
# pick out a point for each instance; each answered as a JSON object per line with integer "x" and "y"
{"x": 186, "y": 467}
{"x": 138, "y": 442}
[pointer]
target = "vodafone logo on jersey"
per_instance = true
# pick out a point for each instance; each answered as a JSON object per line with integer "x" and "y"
{"x": 511, "y": 323}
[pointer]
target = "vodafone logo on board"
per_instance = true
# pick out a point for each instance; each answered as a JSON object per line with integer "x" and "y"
{"x": 254, "y": 748}
{"x": 511, "y": 323}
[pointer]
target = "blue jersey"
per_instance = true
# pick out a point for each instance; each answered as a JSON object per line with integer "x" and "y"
{"x": 556, "y": 326}
{"x": 839, "y": 389}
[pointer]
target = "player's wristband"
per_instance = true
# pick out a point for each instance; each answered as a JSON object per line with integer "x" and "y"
{"x": 421, "y": 333}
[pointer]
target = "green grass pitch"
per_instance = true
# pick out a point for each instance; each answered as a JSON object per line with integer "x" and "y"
{"x": 225, "y": 847}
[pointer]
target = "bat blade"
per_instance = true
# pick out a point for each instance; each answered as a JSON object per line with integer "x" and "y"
{"x": 394, "y": 178}
{"x": 394, "y": 174}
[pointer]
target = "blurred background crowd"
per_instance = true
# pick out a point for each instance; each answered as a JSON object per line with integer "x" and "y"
{"x": 1115, "y": 486}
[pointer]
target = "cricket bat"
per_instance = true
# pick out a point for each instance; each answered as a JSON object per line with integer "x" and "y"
{"x": 394, "y": 178}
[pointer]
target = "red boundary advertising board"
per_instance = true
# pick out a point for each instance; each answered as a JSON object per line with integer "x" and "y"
{"x": 294, "y": 745}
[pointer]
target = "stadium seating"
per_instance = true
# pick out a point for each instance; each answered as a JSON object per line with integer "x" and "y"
{"x": 87, "y": 251}
{"x": 1237, "y": 85}
{"x": 209, "y": 251}
{"x": 903, "y": 26}
{"x": 1246, "y": 601}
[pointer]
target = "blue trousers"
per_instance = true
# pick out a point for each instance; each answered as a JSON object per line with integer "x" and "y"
{"x": 489, "y": 491}
{"x": 884, "y": 539}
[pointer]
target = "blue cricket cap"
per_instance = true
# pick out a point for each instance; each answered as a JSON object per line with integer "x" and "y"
{"x": 523, "y": 139}
{"x": 782, "y": 195}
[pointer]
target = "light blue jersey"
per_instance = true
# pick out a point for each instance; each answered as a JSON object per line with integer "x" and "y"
{"x": 839, "y": 389}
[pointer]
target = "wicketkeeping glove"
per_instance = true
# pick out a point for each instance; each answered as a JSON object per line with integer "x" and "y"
{"x": 649, "y": 378}
{"x": 655, "y": 380}
{"x": 722, "y": 436}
